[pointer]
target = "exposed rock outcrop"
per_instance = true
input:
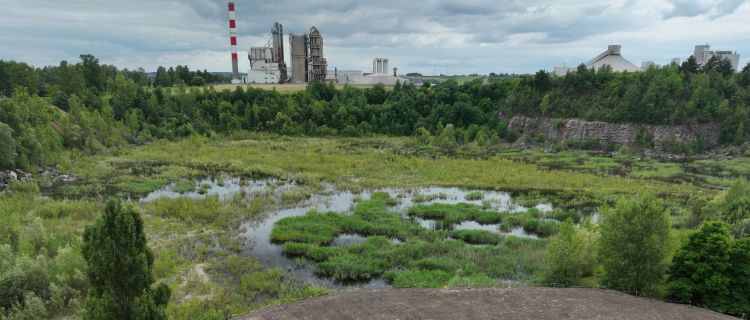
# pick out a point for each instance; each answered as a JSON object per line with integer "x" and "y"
{"x": 658, "y": 136}
{"x": 6, "y": 177}
{"x": 51, "y": 175}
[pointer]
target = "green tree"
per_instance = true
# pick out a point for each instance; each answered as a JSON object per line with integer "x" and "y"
{"x": 739, "y": 277}
{"x": 162, "y": 78}
{"x": 699, "y": 269}
{"x": 690, "y": 66}
{"x": 123, "y": 95}
{"x": 635, "y": 244}
{"x": 7, "y": 147}
{"x": 198, "y": 81}
{"x": 720, "y": 65}
{"x": 569, "y": 257}
{"x": 734, "y": 205}
{"x": 92, "y": 72}
{"x": 447, "y": 137}
{"x": 119, "y": 268}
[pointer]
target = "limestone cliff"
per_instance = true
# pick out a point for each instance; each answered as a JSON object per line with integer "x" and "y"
{"x": 563, "y": 130}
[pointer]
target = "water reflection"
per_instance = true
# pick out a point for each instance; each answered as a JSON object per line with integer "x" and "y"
{"x": 258, "y": 233}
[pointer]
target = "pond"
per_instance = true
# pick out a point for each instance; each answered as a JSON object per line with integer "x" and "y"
{"x": 257, "y": 233}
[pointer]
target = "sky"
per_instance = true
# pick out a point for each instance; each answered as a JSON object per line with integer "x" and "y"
{"x": 426, "y": 36}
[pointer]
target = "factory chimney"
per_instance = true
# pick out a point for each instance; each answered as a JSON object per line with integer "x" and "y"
{"x": 233, "y": 43}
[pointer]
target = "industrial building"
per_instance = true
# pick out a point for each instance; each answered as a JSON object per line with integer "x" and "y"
{"x": 703, "y": 53}
{"x": 380, "y": 66}
{"x": 380, "y": 74}
{"x": 308, "y": 61}
{"x": 611, "y": 57}
{"x": 318, "y": 66}
{"x": 344, "y": 76}
{"x": 298, "y": 44}
{"x": 267, "y": 63}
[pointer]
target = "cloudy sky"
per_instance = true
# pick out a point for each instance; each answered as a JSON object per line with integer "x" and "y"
{"x": 428, "y": 36}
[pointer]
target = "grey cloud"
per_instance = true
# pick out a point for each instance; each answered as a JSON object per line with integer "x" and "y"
{"x": 468, "y": 34}
{"x": 693, "y": 8}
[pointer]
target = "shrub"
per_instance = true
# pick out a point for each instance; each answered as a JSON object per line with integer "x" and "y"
{"x": 568, "y": 257}
{"x": 634, "y": 244}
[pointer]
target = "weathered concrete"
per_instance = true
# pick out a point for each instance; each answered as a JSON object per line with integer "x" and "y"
{"x": 617, "y": 133}
{"x": 487, "y": 303}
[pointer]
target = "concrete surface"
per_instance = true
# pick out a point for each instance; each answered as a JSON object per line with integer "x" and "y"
{"x": 488, "y": 303}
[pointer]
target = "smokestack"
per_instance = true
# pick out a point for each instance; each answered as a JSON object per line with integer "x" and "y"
{"x": 233, "y": 43}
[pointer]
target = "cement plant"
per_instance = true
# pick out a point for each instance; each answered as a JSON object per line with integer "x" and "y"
{"x": 308, "y": 62}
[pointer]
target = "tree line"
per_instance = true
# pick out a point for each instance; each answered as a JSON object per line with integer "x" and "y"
{"x": 87, "y": 106}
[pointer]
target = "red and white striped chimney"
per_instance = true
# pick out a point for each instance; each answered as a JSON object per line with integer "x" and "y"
{"x": 233, "y": 43}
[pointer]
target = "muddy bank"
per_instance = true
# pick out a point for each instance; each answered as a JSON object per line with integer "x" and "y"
{"x": 488, "y": 303}
{"x": 658, "y": 137}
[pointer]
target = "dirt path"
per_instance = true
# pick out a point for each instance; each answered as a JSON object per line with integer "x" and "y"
{"x": 490, "y": 303}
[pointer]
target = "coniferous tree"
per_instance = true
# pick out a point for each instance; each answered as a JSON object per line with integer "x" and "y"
{"x": 119, "y": 268}
{"x": 690, "y": 66}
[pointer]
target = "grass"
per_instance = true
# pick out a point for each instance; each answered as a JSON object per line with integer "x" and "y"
{"x": 334, "y": 161}
{"x": 199, "y": 253}
{"x": 422, "y": 258}
{"x": 474, "y": 196}
{"x": 479, "y": 237}
{"x": 542, "y": 228}
{"x": 534, "y": 221}
{"x": 184, "y": 186}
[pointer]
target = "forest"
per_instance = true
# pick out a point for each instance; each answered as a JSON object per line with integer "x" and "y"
{"x": 88, "y": 107}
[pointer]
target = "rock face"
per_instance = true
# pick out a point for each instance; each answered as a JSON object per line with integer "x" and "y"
{"x": 564, "y": 130}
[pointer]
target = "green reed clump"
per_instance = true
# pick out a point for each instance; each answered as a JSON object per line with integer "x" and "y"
{"x": 477, "y": 236}
{"x": 184, "y": 186}
{"x": 473, "y": 196}
{"x": 542, "y": 228}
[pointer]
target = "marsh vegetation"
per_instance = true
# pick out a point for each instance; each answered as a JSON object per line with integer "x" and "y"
{"x": 251, "y": 197}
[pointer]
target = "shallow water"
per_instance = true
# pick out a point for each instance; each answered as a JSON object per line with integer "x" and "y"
{"x": 257, "y": 233}
{"x": 224, "y": 187}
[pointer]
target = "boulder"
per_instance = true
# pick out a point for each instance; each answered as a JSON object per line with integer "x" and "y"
{"x": 23, "y": 176}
